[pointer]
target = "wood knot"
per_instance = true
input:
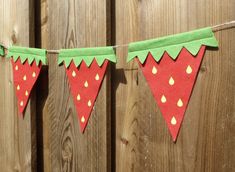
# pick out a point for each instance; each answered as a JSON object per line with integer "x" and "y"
{"x": 124, "y": 141}
{"x": 203, "y": 68}
{"x": 67, "y": 150}
{"x": 14, "y": 37}
{"x": 17, "y": 168}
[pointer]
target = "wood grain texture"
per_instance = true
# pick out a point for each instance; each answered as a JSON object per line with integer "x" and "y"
{"x": 76, "y": 24}
{"x": 17, "y": 136}
{"x": 206, "y": 141}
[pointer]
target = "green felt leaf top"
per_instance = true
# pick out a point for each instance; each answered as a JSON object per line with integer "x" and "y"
{"x": 1, "y": 51}
{"x": 29, "y": 54}
{"x": 77, "y": 55}
{"x": 172, "y": 44}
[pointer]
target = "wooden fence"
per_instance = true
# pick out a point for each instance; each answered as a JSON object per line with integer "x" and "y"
{"x": 126, "y": 131}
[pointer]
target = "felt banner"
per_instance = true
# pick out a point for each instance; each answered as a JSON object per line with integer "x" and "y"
{"x": 26, "y": 66}
{"x": 170, "y": 65}
{"x": 85, "y": 68}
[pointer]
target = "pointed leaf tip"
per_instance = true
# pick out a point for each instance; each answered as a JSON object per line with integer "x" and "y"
{"x": 88, "y": 55}
{"x": 1, "y": 51}
{"x": 173, "y": 44}
{"x": 30, "y": 54}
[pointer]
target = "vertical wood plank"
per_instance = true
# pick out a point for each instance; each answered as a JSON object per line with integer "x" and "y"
{"x": 76, "y": 24}
{"x": 206, "y": 141}
{"x": 17, "y": 136}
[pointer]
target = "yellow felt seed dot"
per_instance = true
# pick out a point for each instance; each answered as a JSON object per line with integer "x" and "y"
{"x": 179, "y": 103}
{"x": 171, "y": 81}
{"x": 89, "y": 103}
{"x": 18, "y": 87}
{"x": 21, "y": 103}
{"x": 173, "y": 120}
{"x": 189, "y": 70}
{"x": 24, "y": 78}
{"x": 86, "y": 84}
{"x": 16, "y": 67}
{"x": 26, "y": 93}
{"x": 34, "y": 75}
{"x": 78, "y": 97}
{"x": 163, "y": 99}
{"x": 97, "y": 77}
{"x": 154, "y": 70}
{"x": 73, "y": 73}
{"x": 83, "y": 119}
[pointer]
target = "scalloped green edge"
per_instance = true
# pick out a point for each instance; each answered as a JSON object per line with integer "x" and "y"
{"x": 77, "y": 55}
{"x": 1, "y": 51}
{"x": 172, "y": 44}
{"x": 30, "y": 54}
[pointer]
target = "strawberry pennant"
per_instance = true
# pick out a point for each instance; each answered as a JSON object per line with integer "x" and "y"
{"x": 26, "y": 66}
{"x": 170, "y": 65}
{"x": 85, "y": 68}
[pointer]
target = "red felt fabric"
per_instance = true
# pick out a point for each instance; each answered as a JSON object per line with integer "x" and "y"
{"x": 181, "y": 88}
{"x": 85, "y": 84}
{"x": 24, "y": 76}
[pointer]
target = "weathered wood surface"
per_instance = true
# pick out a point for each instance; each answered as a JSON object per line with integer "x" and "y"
{"x": 206, "y": 141}
{"x": 76, "y": 24}
{"x": 17, "y": 135}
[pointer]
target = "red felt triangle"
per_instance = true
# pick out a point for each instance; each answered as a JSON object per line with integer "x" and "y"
{"x": 25, "y": 76}
{"x": 85, "y": 84}
{"x": 171, "y": 82}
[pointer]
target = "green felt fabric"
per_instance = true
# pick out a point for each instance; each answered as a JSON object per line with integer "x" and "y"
{"x": 77, "y": 55}
{"x": 29, "y": 54}
{"x": 172, "y": 44}
{"x": 1, "y": 51}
